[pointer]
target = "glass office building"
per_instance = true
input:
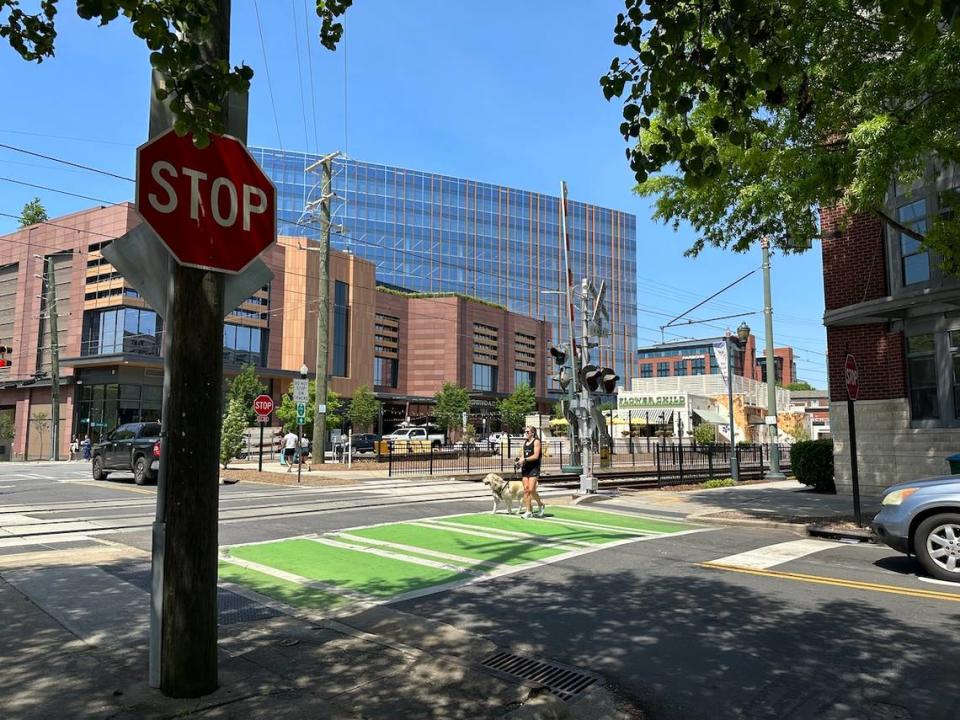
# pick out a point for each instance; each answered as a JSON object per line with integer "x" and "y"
{"x": 434, "y": 233}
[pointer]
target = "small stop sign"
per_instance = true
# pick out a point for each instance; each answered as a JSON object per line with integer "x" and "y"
{"x": 851, "y": 375}
{"x": 263, "y": 405}
{"x": 213, "y": 207}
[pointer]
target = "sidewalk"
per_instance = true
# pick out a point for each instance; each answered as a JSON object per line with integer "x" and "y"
{"x": 74, "y": 637}
{"x": 771, "y": 504}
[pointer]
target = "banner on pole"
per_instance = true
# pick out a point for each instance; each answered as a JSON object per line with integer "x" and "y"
{"x": 720, "y": 353}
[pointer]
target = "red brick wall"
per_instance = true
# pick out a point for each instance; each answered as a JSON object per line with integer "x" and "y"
{"x": 854, "y": 261}
{"x": 880, "y": 359}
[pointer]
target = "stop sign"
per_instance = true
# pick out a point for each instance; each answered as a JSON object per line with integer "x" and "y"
{"x": 263, "y": 405}
{"x": 213, "y": 207}
{"x": 851, "y": 374}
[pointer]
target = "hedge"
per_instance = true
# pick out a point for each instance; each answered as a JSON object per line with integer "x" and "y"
{"x": 812, "y": 463}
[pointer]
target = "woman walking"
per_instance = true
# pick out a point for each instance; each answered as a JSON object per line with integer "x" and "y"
{"x": 530, "y": 471}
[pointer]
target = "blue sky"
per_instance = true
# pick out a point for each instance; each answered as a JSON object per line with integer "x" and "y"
{"x": 500, "y": 91}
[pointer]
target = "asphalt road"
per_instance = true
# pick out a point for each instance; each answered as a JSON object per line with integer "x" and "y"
{"x": 724, "y": 623}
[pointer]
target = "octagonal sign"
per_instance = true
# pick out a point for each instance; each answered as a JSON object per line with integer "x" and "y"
{"x": 214, "y": 208}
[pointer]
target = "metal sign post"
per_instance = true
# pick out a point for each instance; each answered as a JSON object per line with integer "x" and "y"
{"x": 852, "y": 379}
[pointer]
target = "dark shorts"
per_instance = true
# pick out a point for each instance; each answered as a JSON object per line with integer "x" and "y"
{"x": 289, "y": 452}
{"x": 530, "y": 471}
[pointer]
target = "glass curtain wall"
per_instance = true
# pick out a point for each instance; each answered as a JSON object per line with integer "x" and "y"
{"x": 433, "y": 233}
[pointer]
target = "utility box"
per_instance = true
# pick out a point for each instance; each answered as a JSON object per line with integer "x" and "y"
{"x": 954, "y": 462}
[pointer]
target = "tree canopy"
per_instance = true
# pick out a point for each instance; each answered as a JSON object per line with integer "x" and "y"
{"x": 33, "y": 212}
{"x": 197, "y": 84}
{"x": 364, "y": 408}
{"x": 245, "y": 387}
{"x": 745, "y": 116}
{"x": 287, "y": 412}
{"x": 451, "y": 402}
{"x": 514, "y": 409}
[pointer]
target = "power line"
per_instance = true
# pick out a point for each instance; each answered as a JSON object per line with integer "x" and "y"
{"x": 62, "y": 192}
{"x": 313, "y": 88}
{"x": 65, "y": 162}
{"x": 303, "y": 104}
{"x": 266, "y": 68}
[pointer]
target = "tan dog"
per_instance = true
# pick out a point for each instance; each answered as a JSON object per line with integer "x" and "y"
{"x": 505, "y": 492}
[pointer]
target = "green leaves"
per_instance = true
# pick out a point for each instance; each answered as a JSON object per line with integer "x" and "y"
{"x": 198, "y": 82}
{"x": 745, "y": 116}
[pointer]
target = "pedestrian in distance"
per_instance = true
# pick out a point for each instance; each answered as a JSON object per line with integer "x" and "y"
{"x": 86, "y": 445}
{"x": 75, "y": 448}
{"x": 529, "y": 464}
{"x": 305, "y": 452}
{"x": 289, "y": 449}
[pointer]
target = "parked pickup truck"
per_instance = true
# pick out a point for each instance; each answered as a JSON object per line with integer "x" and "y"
{"x": 415, "y": 433}
{"x": 133, "y": 447}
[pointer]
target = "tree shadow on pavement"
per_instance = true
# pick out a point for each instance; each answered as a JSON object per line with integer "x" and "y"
{"x": 708, "y": 645}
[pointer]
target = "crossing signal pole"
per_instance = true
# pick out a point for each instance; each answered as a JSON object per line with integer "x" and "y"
{"x": 54, "y": 359}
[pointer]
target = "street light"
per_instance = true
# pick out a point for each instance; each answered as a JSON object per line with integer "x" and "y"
{"x": 743, "y": 332}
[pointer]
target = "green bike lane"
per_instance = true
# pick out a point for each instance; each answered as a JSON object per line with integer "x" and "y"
{"x": 376, "y": 564}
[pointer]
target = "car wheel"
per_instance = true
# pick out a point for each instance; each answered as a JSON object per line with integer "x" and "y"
{"x": 140, "y": 471}
{"x": 936, "y": 543}
{"x": 98, "y": 473}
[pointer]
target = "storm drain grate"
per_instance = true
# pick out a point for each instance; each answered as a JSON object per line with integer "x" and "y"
{"x": 564, "y": 682}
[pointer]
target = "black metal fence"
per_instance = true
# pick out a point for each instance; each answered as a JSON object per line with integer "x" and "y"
{"x": 669, "y": 463}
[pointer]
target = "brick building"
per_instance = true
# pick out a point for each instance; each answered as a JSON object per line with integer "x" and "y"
{"x": 403, "y": 345}
{"x": 695, "y": 357}
{"x": 888, "y": 304}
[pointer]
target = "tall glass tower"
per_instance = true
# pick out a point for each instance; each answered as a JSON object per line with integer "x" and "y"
{"x": 435, "y": 233}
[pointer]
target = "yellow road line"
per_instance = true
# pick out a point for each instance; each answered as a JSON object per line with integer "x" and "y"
{"x": 852, "y": 584}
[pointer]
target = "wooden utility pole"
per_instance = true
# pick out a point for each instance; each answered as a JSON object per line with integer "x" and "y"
{"x": 54, "y": 359}
{"x": 323, "y": 310}
{"x": 183, "y": 648}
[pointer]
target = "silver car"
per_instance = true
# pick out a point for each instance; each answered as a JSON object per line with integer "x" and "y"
{"x": 922, "y": 518}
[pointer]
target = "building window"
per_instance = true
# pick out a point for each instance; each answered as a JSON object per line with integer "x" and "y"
{"x": 922, "y": 377}
{"x": 698, "y": 366}
{"x": 914, "y": 259}
{"x": 524, "y": 377}
{"x": 385, "y": 371}
{"x": 646, "y": 370}
{"x": 484, "y": 377}
{"x": 243, "y": 345}
{"x": 122, "y": 330}
{"x": 680, "y": 368}
{"x": 341, "y": 329}
{"x": 663, "y": 369}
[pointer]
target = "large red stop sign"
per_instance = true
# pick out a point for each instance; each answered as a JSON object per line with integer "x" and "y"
{"x": 213, "y": 207}
{"x": 263, "y": 405}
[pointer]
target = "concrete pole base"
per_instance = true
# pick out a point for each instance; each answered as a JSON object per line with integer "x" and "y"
{"x": 774, "y": 476}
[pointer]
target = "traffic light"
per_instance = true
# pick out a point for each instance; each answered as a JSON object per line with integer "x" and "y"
{"x": 562, "y": 373}
{"x": 4, "y": 351}
{"x": 559, "y": 355}
{"x": 608, "y": 379}
{"x": 590, "y": 377}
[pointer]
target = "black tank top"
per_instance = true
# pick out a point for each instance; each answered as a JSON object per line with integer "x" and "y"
{"x": 528, "y": 449}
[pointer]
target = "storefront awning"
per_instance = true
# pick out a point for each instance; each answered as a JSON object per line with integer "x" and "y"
{"x": 712, "y": 417}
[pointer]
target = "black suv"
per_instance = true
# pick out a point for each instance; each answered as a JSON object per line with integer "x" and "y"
{"x": 132, "y": 447}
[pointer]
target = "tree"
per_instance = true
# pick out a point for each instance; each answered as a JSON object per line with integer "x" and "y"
{"x": 745, "y": 116}
{"x": 364, "y": 408}
{"x": 704, "y": 434}
{"x": 514, "y": 409}
{"x": 800, "y": 385}
{"x": 287, "y": 412}
{"x": 231, "y": 433}
{"x": 245, "y": 387}
{"x": 6, "y": 425}
{"x": 41, "y": 421}
{"x": 197, "y": 85}
{"x": 451, "y": 402}
{"x": 33, "y": 212}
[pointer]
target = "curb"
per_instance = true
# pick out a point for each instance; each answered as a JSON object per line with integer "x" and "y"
{"x": 860, "y": 536}
{"x": 595, "y": 497}
{"x": 746, "y": 522}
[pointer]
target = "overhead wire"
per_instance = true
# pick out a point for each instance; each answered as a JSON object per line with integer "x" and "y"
{"x": 303, "y": 104}
{"x": 313, "y": 87}
{"x": 266, "y": 68}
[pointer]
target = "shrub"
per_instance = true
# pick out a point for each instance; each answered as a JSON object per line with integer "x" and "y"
{"x": 718, "y": 483}
{"x": 704, "y": 434}
{"x": 812, "y": 463}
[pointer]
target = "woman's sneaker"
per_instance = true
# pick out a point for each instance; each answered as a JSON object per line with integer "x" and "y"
{"x": 540, "y": 512}
{"x": 526, "y": 515}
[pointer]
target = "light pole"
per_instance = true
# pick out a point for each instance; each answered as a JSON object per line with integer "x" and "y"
{"x": 743, "y": 332}
{"x": 771, "y": 419}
